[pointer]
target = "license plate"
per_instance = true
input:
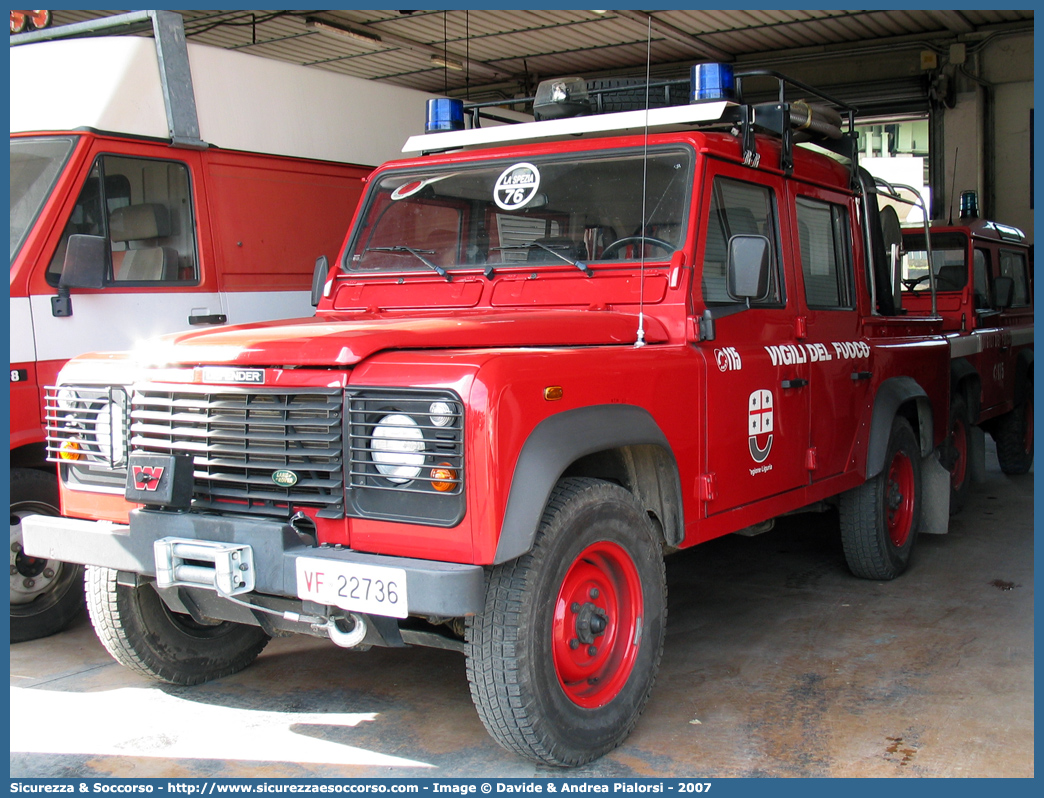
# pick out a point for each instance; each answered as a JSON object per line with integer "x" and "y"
{"x": 352, "y": 586}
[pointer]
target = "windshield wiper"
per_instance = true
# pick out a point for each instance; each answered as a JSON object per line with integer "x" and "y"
{"x": 417, "y": 254}
{"x": 579, "y": 264}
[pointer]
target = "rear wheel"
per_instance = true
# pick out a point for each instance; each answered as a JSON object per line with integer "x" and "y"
{"x": 563, "y": 659}
{"x": 1014, "y": 436}
{"x": 959, "y": 438}
{"x": 880, "y": 518}
{"x": 46, "y": 595}
{"x": 142, "y": 633}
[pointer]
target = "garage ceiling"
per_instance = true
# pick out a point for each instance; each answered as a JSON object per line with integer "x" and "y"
{"x": 500, "y": 53}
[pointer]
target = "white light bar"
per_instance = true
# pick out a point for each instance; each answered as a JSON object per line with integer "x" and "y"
{"x": 601, "y": 123}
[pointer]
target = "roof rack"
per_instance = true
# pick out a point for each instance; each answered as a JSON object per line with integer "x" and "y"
{"x": 790, "y": 120}
{"x": 785, "y": 118}
{"x": 570, "y": 126}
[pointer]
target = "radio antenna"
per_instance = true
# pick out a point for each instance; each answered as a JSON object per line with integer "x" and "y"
{"x": 640, "y": 339}
{"x": 953, "y": 182}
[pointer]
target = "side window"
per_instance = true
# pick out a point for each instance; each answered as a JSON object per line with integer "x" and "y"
{"x": 143, "y": 207}
{"x": 1013, "y": 265}
{"x": 980, "y": 272}
{"x": 823, "y": 235}
{"x": 738, "y": 208}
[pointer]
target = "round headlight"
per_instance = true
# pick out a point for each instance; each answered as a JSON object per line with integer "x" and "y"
{"x": 109, "y": 433}
{"x": 441, "y": 414}
{"x": 397, "y": 447}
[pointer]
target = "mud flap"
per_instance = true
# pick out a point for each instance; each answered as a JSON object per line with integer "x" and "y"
{"x": 935, "y": 496}
{"x": 976, "y": 455}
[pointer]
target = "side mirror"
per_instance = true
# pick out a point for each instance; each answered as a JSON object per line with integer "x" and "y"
{"x": 748, "y": 268}
{"x": 1004, "y": 292}
{"x": 86, "y": 259}
{"x": 322, "y": 269}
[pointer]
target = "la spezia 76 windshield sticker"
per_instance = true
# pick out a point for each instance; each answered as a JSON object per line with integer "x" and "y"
{"x": 516, "y": 186}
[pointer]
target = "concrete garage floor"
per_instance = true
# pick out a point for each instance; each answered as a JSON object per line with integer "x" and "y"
{"x": 777, "y": 663}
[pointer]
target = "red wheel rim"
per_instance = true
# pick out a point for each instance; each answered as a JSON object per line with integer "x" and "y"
{"x": 597, "y": 625}
{"x": 899, "y": 499}
{"x": 959, "y": 435}
{"x": 1027, "y": 439}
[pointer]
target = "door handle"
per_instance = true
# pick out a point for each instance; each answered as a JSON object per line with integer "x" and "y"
{"x": 798, "y": 383}
{"x": 216, "y": 318}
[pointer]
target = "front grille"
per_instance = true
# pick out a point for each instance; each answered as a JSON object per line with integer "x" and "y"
{"x": 240, "y": 437}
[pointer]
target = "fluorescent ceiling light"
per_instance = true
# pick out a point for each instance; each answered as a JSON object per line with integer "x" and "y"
{"x": 342, "y": 32}
{"x": 449, "y": 63}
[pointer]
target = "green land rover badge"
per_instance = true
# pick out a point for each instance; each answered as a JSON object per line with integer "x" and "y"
{"x": 284, "y": 477}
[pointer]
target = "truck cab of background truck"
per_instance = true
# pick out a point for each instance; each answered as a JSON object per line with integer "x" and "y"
{"x": 984, "y": 279}
{"x": 547, "y": 355}
{"x": 208, "y": 206}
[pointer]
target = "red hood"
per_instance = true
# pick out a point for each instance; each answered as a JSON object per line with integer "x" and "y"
{"x": 328, "y": 342}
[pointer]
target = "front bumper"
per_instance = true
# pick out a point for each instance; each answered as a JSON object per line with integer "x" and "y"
{"x": 433, "y": 588}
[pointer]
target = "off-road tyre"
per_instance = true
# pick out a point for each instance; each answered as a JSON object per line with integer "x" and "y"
{"x": 880, "y": 519}
{"x": 1014, "y": 436}
{"x": 960, "y": 440}
{"x": 539, "y": 694}
{"x": 143, "y": 634}
{"x": 46, "y": 595}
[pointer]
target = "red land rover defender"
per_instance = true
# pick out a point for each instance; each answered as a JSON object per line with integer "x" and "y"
{"x": 983, "y": 276}
{"x": 548, "y": 355}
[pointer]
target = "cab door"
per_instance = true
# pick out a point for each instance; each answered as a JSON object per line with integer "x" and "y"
{"x": 144, "y": 206}
{"x": 757, "y": 398}
{"x": 839, "y": 361}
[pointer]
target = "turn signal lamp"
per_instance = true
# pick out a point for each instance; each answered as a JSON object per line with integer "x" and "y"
{"x": 70, "y": 450}
{"x": 444, "y": 114}
{"x": 711, "y": 82}
{"x": 439, "y": 476}
{"x": 561, "y": 98}
{"x": 553, "y": 393}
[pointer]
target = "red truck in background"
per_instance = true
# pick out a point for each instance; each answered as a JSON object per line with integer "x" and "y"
{"x": 214, "y": 199}
{"x": 984, "y": 281}
{"x": 547, "y": 355}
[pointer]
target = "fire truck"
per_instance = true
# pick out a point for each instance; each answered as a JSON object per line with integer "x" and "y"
{"x": 208, "y": 201}
{"x": 984, "y": 279}
{"x": 548, "y": 355}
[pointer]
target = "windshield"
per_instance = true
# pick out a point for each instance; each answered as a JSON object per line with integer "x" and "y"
{"x": 549, "y": 210}
{"x": 949, "y": 259}
{"x": 35, "y": 166}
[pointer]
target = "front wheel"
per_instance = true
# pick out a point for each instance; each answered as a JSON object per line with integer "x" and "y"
{"x": 563, "y": 659}
{"x": 880, "y": 518}
{"x": 46, "y": 595}
{"x": 145, "y": 635}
